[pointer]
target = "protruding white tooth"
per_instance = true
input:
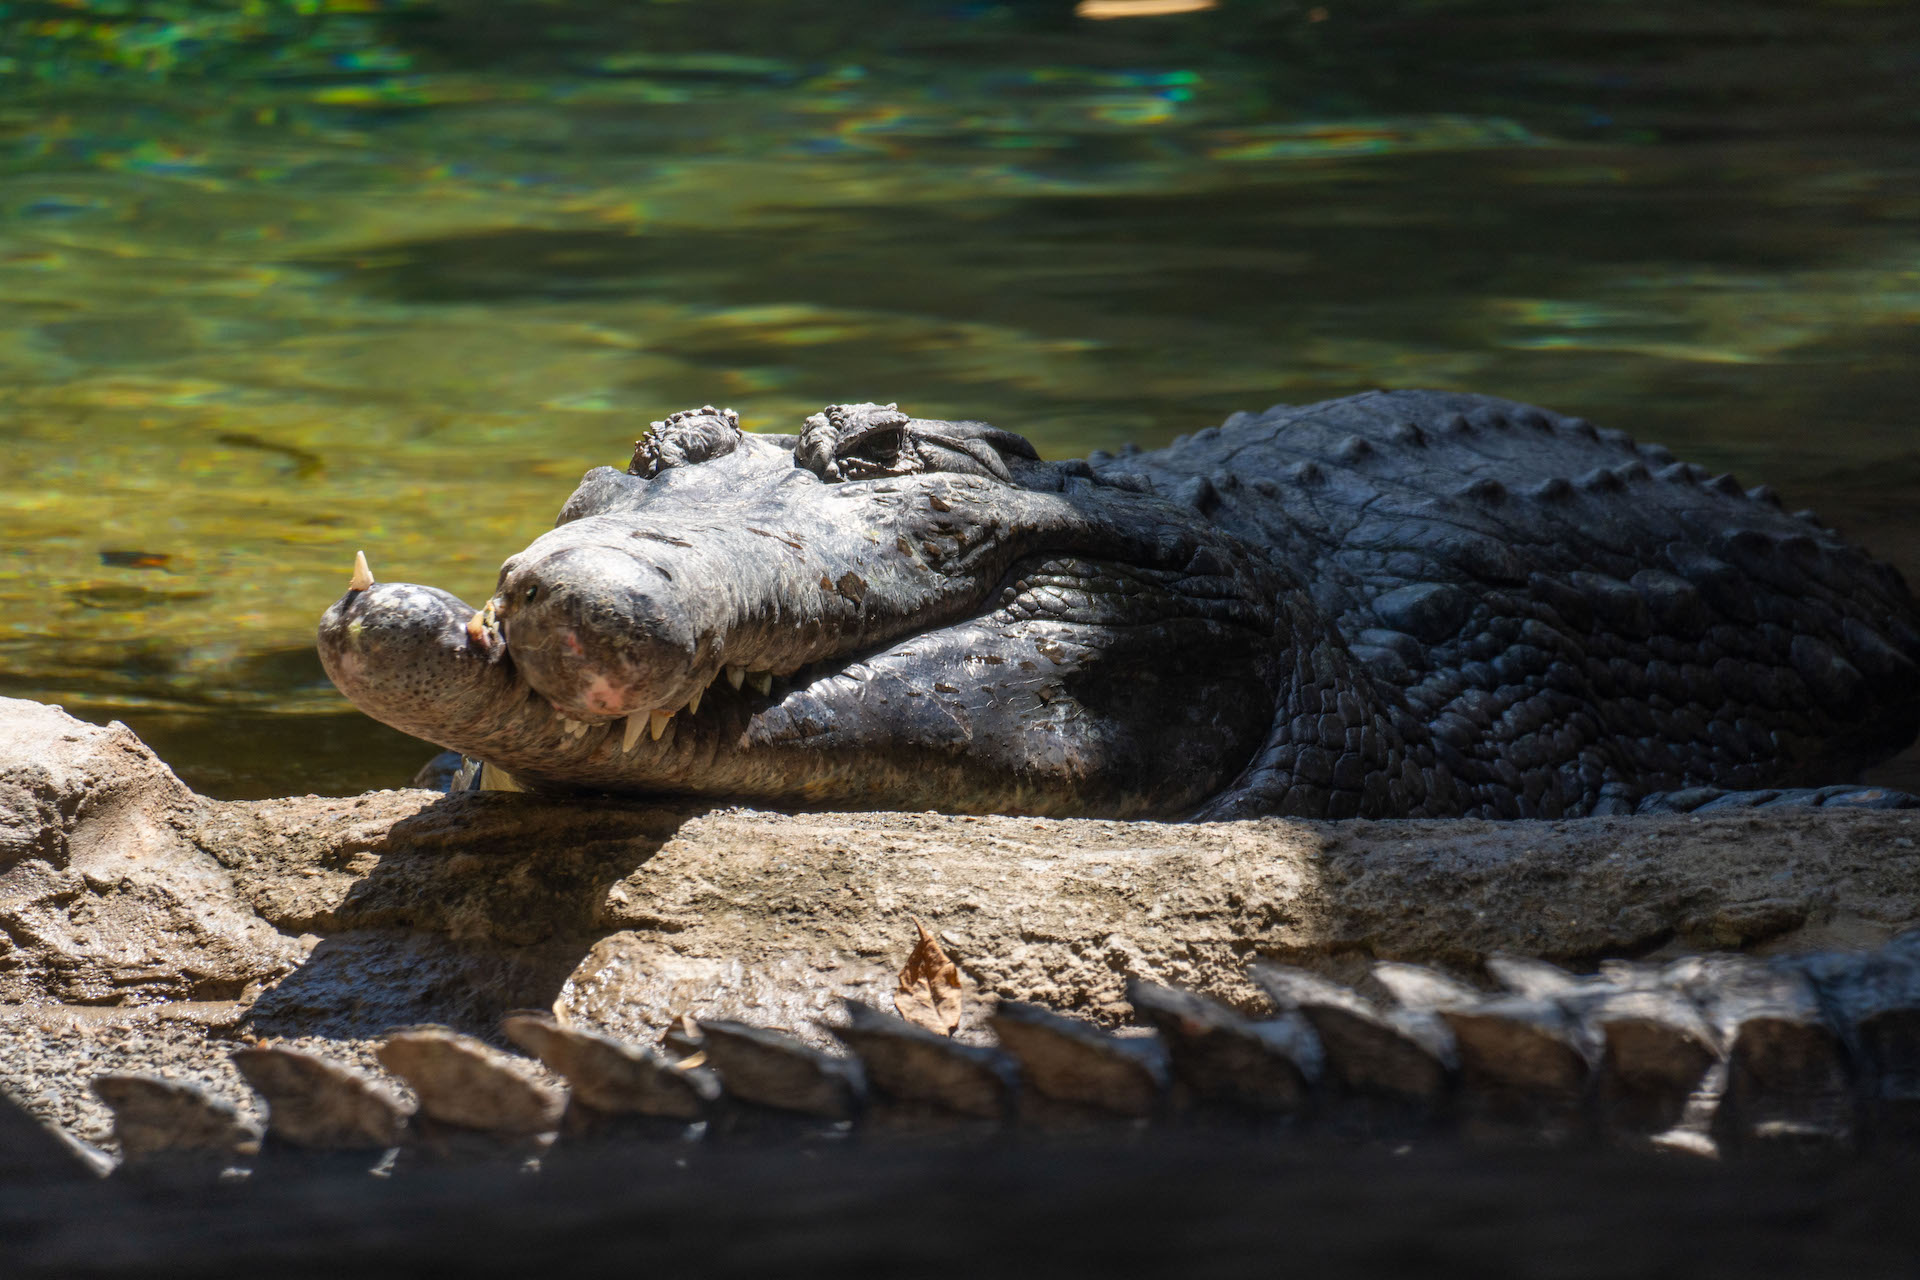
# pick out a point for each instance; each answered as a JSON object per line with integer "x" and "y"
{"x": 635, "y": 727}
{"x": 657, "y": 723}
{"x": 736, "y": 676}
{"x": 762, "y": 682}
{"x": 693, "y": 703}
{"x": 362, "y": 576}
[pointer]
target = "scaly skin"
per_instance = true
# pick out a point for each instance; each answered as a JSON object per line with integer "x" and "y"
{"x": 1397, "y": 604}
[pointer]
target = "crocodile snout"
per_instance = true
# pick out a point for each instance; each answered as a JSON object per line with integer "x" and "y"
{"x": 401, "y": 652}
{"x": 601, "y": 633}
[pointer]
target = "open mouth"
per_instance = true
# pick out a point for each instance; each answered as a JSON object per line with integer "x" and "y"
{"x": 655, "y": 725}
{"x": 732, "y": 694}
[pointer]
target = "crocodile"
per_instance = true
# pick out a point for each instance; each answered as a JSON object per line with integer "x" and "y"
{"x": 1718, "y": 1055}
{"x": 1395, "y": 604}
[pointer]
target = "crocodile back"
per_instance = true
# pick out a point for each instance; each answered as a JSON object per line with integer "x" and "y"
{"x": 1566, "y": 611}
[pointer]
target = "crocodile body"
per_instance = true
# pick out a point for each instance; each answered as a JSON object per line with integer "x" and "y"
{"x": 1395, "y": 604}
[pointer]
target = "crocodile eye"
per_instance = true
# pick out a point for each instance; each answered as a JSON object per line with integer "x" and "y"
{"x": 530, "y": 593}
{"x": 861, "y": 441}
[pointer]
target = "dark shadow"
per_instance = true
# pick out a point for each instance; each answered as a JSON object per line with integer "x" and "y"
{"x": 1208, "y": 1203}
{"x": 363, "y": 983}
{"x": 480, "y": 904}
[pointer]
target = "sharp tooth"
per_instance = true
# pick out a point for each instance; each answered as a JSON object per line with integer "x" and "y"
{"x": 362, "y": 576}
{"x": 693, "y": 703}
{"x": 657, "y": 723}
{"x": 635, "y": 727}
{"x": 480, "y": 623}
{"x": 736, "y": 676}
{"x": 762, "y": 682}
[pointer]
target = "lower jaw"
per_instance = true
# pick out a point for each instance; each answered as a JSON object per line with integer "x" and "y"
{"x": 861, "y": 734}
{"x": 723, "y": 753}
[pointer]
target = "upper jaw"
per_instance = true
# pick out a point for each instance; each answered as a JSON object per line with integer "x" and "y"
{"x": 644, "y": 611}
{"x": 641, "y": 611}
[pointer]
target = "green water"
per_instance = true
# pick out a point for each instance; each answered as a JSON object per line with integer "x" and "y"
{"x": 283, "y": 280}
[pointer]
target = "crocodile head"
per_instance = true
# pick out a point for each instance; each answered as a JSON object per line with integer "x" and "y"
{"x": 883, "y": 611}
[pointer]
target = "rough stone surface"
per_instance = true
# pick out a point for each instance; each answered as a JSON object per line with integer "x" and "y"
{"x": 103, "y": 899}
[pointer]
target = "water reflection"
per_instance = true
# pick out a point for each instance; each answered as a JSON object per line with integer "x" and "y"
{"x": 287, "y": 279}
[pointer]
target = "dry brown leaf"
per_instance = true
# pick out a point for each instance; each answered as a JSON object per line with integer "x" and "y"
{"x": 928, "y": 993}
